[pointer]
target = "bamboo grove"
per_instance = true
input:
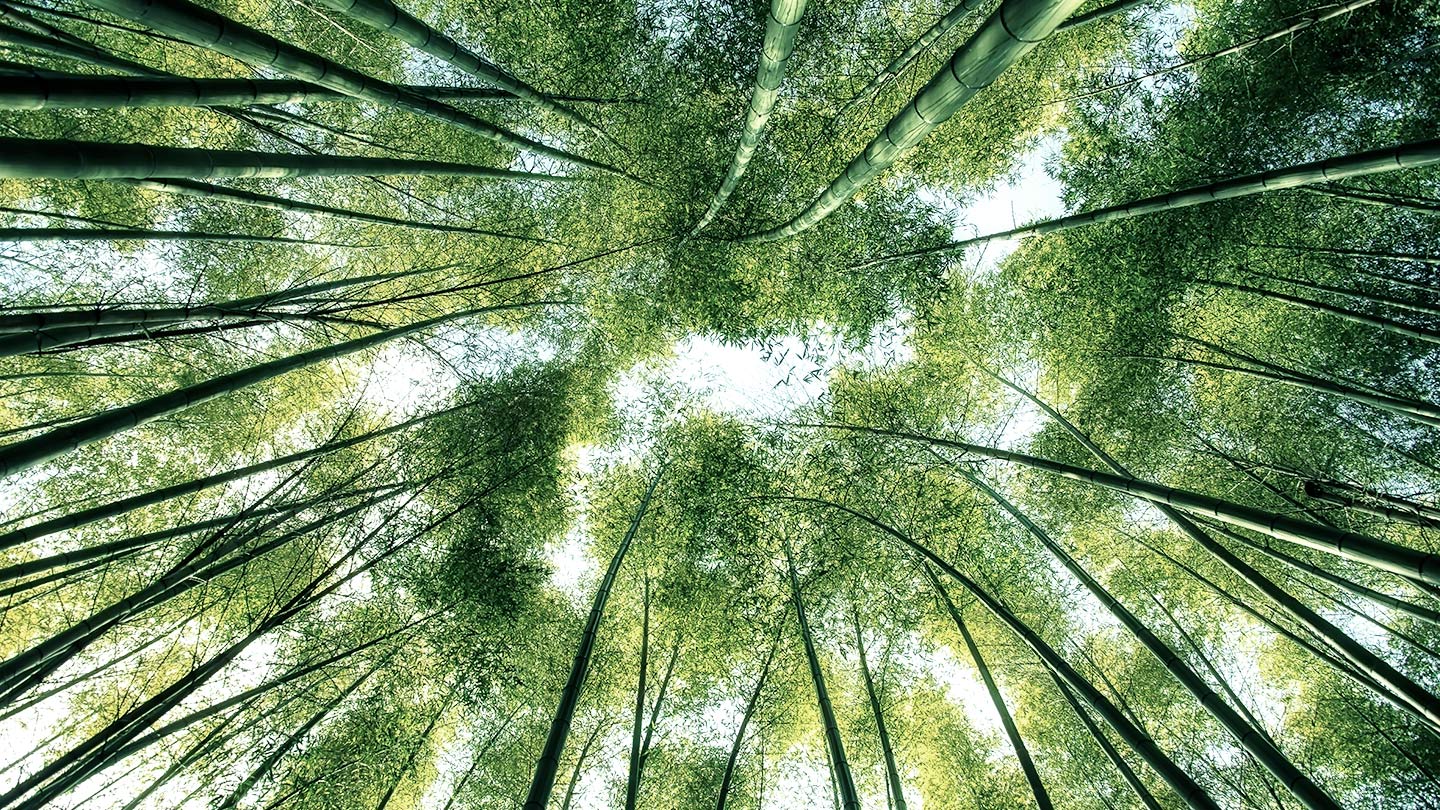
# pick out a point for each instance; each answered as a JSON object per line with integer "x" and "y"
{"x": 385, "y": 419}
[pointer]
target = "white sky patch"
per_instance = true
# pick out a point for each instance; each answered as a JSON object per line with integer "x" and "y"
{"x": 1028, "y": 195}
{"x": 756, "y": 380}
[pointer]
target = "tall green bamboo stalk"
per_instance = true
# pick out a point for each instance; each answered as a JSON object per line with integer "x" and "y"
{"x": 200, "y": 26}
{"x": 632, "y": 780}
{"x": 81, "y": 160}
{"x": 1007, "y": 721}
{"x": 1359, "y": 164}
{"x": 845, "y": 792}
{"x": 781, "y": 27}
{"x": 892, "y": 772}
{"x": 543, "y": 782}
{"x": 723, "y": 794}
{"x": 22, "y": 455}
{"x": 1350, "y": 545}
{"x": 1011, "y": 31}
{"x": 212, "y": 192}
{"x": 144, "y": 235}
{"x": 385, "y": 16}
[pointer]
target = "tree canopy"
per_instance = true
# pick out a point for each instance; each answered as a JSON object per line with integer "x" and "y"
{"x": 482, "y": 404}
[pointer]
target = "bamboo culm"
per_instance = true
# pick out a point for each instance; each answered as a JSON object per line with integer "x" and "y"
{"x": 541, "y": 785}
{"x": 30, "y": 158}
{"x": 781, "y": 26}
{"x": 723, "y": 794}
{"x": 898, "y": 65}
{"x": 1022, "y": 752}
{"x": 22, "y": 455}
{"x": 214, "y": 193}
{"x": 1350, "y": 545}
{"x": 1360, "y": 164}
{"x": 207, "y": 29}
{"x": 892, "y": 772}
{"x": 845, "y": 792}
{"x": 1010, "y": 32}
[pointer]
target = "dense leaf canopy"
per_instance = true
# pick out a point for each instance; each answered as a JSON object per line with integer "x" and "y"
{"x": 490, "y": 404}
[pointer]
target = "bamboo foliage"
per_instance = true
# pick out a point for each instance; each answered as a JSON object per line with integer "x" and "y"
{"x": 905, "y": 58}
{"x": 1306, "y": 20}
{"x": 383, "y": 579}
{"x": 389, "y": 18}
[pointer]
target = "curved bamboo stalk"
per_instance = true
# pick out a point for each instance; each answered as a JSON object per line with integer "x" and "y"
{"x": 1380, "y": 504}
{"x": 1107, "y": 10}
{"x": 1421, "y": 412}
{"x": 1383, "y": 199}
{"x": 632, "y": 780}
{"x": 1369, "y": 297}
{"x": 1386, "y": 324}
{"x": 250, "y": 306}
{"x": 580, "y": 764}
{"x": 207, "y": 29}
{"x": 1385, "y": 600}
{"x": 29, "y": 235}
{"x": 898, "y": 65}
{"x": 209, "y": 191}
{"x": 121, "y": 506}
{"x": 655, "y": 708}
{"x": 1126, "y": 772}
{"x": 29, "y": 87}
{"x": 892, "y": 772}
{"x": 781, "y": 27}
{"x": 1007, "y": 721}
{"x": 543, "y": 782}
{"x": 1011, "y": 31}
{"x": 22, "y": 455}
{"x": 1360, "y": 164}
{"x": 723, "y": 794}
{"x": 273, "y": 758}
{"x": 845, "y": 793}
{"x": 1251, "y": 738}
{"x": 42, "y": 92}
{"x": 1360, "y": 254}
{"x": 81, "y": 160}
{"x": 1188, "y": 790}
{"x": 1350, "y": 545}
